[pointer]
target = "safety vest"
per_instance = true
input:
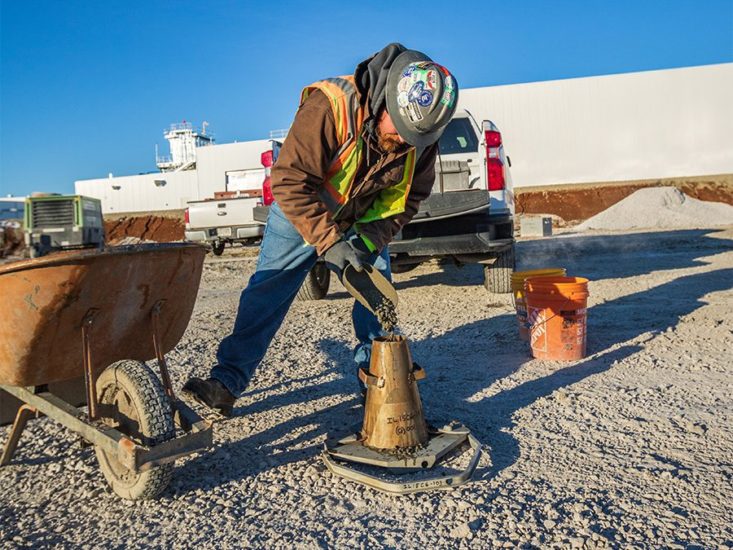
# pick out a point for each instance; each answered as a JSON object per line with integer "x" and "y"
{"x": 348, "y": 115}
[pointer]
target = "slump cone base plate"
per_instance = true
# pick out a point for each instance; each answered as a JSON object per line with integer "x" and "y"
{"x": 337, "y": 452}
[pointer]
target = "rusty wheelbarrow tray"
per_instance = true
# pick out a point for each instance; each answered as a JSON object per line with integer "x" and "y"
{"x": 98, "y": 315}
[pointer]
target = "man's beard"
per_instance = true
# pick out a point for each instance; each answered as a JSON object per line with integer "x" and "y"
{"x": 388, "y": 143}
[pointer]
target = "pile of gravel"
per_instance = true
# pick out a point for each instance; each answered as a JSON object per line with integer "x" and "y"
{"x": 660, "y": 207}
{"x": 628, "y": 448}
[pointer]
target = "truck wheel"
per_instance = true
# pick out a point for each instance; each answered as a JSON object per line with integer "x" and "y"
{"x": 218, "y": 248}
{"x": 498, "y": 276}
{"x": 141, "y": 411}
{"x": 315, "y": 286}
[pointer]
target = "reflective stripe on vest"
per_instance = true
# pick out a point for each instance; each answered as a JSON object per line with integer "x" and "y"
{"x": 348, "y": 116}
{"x": 391, "y": 200}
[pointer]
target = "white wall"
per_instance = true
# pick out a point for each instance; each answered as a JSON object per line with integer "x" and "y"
{"x": 654, "y": 124}
{"x": 140, "y": 193}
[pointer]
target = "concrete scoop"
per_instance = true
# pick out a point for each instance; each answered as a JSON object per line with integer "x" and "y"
{"x": 369, "y": 287}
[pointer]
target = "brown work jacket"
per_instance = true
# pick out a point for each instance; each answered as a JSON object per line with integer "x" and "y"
{"x": 303, "y": 162}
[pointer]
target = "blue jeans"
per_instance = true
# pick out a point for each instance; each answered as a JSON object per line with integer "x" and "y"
{"x": 282, "y": 266}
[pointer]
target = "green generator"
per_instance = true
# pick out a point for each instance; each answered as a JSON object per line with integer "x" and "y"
{"x": 60, "y": 222}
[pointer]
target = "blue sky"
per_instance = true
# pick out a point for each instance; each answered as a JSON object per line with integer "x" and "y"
{"x": 87, "y": 87}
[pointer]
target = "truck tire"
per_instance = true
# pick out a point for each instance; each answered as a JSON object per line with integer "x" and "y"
{"x": 315, "y": 286}
{"x": 142, "y": 412}
{"x": 218, "y": 247}
{"x": 498, "y": 275}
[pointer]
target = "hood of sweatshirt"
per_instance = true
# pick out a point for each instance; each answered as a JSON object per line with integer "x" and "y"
{"x": 371, "y": 81}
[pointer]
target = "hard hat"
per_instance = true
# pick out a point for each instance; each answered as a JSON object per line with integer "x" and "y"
{"x": 421, "y": 97}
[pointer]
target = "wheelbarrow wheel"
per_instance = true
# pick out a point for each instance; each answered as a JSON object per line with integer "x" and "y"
{"x": 142, "y": 412}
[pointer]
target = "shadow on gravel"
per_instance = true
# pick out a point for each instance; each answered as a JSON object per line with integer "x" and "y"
{"x": 651, "y": 311}
{"x": 272, "y": 448}
{"x": 443, "y": 273}
{"x": 460, "y": 364}
{"x": 502, "y": 406}
{"x": 654, "y": 310}
{"x": 599, "y": 257}
{"x": 596, "y": 257}
{"x": 593, "y": 256}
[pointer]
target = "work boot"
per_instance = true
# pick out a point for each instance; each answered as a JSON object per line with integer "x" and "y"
{"x": 212, "y": 393}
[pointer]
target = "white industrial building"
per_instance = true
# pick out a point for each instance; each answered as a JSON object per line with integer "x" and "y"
{"x": 195, "y": 169}
{"x": 625, "y": 127}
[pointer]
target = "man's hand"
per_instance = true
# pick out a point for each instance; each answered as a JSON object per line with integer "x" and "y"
{"x": 352, "y": 251}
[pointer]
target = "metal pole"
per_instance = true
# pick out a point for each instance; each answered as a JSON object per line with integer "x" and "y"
{"x": 159, "y": 351}
{"x": 89, "y": 378}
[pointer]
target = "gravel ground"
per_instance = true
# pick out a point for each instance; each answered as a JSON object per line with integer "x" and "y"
{"x": 631, "y": 446}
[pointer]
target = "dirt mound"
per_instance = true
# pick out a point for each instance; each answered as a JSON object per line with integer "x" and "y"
{"x": 578, "y": 202}
{"x": 146, "y": 228}
{"x": 660, "y": 207}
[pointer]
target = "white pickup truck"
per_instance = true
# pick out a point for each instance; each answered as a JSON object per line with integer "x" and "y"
{"x": 468, "y": 218}
{"x": 225, "y": 219}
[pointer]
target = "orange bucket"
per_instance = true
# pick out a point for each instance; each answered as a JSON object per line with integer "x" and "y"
{"x": 518, "y": 278}
{"x": 556, "y": 312}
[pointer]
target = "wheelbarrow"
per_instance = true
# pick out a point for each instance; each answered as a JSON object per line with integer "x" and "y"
{"x": 97, "y": 316}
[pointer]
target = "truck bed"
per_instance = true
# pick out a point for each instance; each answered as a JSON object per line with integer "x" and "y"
{"x": 221, "y": 212}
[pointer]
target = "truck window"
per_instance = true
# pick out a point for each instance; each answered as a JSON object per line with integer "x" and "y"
{"x": 459, "y": 137}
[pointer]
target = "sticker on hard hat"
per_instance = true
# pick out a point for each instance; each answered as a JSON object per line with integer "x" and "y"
{"x": 416, "y": 91}
{"x": 425, "y": 99}
{"x": 413, "y": 112}
{"x": 443, "y": 69}
{"x": 449, "y": 97}
{"x": 402, "y": 100}
{"x": 431, "y": 79}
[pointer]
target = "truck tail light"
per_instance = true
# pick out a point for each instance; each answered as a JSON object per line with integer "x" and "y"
{"x": 186, "y": 217}
{"x": 493, "y": 138}
{"x": 495, "y": 171}
{"x": 266, "y": 160}
{"x": 267, "y": 198}
{"x": 494, "y": 165}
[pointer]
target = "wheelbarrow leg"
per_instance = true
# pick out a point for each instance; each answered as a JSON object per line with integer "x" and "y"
{"x": 90, "y": 380}
{"x": 162, "y": 365}
{"x": 25, "y": 412}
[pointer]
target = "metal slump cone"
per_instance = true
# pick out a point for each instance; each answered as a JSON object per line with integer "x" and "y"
{"x": 393, "y": 417}
{"x": 394, "y": 434}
